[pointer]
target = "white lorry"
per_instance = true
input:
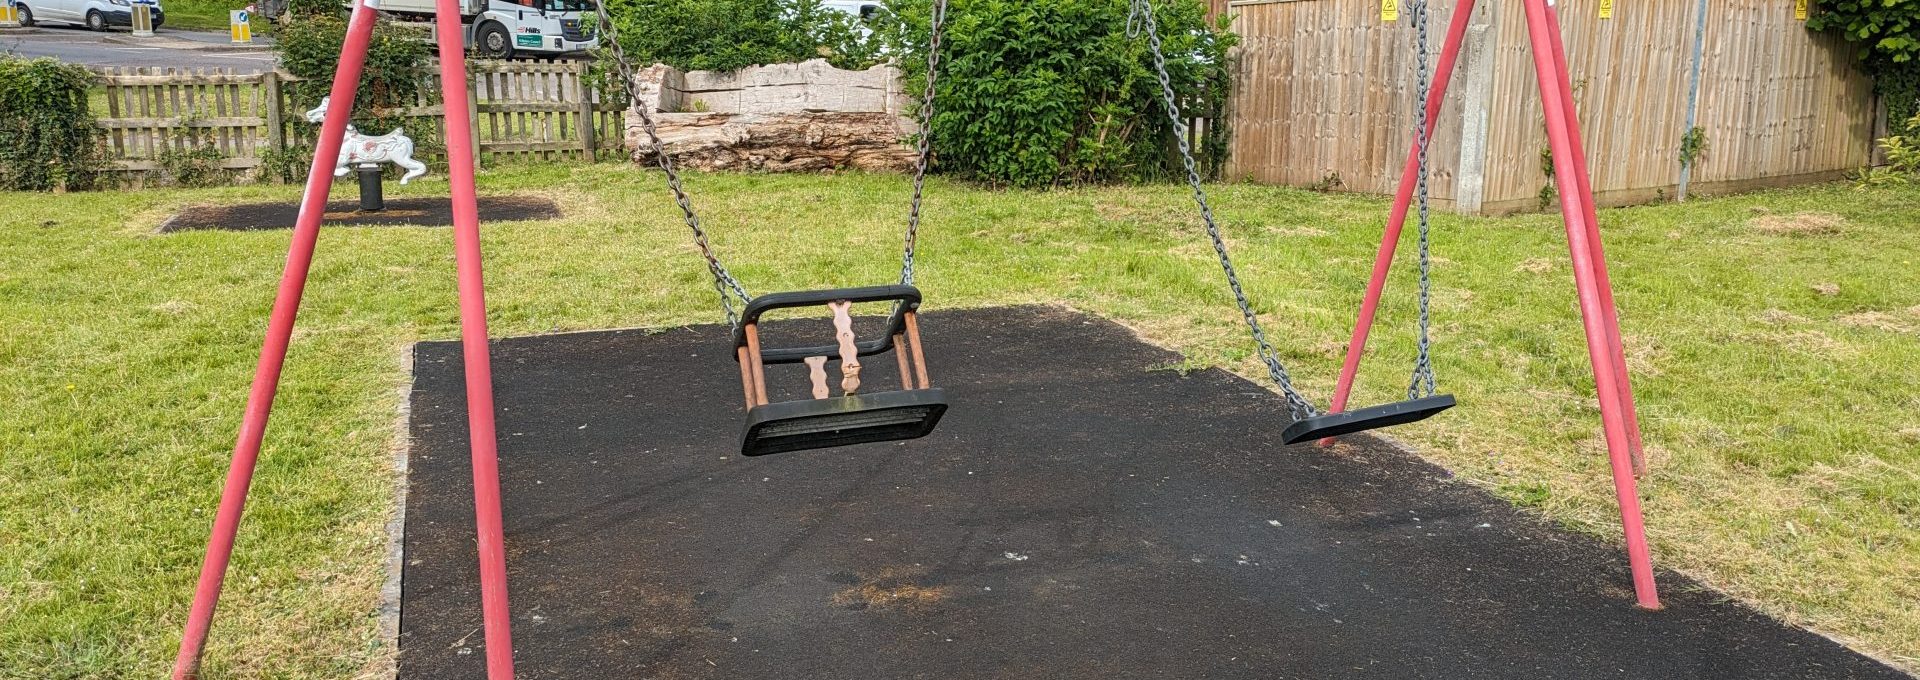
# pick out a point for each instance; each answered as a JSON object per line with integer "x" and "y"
{"x": 505, "y": 28}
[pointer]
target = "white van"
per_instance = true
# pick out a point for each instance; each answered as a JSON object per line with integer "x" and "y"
{"x": 94, "y": 14}
{"x": 861, "y": 9}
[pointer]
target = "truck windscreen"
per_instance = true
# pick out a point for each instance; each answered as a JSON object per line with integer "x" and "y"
{"x": 565, "y": 5}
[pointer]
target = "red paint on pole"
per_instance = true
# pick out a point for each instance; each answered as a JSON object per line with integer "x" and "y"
{"x": 495, "y": 615}
{"x": 1592, "y": 316}
{"x": 273, "y": 351}
{"x": 1402, "y": 197}
{"x": 1585, "y": 186}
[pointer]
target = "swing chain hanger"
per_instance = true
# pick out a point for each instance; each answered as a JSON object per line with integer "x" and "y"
{"x": 937, "y": 29}
{"x": 1422, "y": 382}
{"x": 1140, "y": 19}
{"x": 724, "y": 283}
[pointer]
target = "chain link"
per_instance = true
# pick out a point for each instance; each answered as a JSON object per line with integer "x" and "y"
{"x": 724, "y": 283}
{"x": 926, "y": 139}
{"x": 1422, "y": 382}
{"x": 1141, "y": 20}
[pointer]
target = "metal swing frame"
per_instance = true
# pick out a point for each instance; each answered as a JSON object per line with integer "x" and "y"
{"x": 1599, "y": 316}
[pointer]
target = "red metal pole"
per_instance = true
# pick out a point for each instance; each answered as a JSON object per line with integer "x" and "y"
{"x": 1403, "y": 196}
{"x": 1592, "y": 317}
{"x": 273, "y": 351}
{"x": 495, "y": 615}
{"x": 1585, "y": 179}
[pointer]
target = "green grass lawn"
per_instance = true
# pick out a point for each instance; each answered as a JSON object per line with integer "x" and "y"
{"x": 210, "y": 15}
{"x": 1776, "y": 374}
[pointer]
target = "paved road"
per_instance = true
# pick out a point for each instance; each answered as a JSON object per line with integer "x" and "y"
{"x": 118, "y": 48}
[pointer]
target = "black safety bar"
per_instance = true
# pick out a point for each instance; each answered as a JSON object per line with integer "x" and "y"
{"x": 907, "y": 296}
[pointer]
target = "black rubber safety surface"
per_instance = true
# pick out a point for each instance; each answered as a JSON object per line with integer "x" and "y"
{"x": 415, "y": 212}
{"x": 1078, "y": 514}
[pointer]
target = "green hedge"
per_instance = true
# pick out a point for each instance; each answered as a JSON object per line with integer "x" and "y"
{"x": 727, "y": 35}
{"x": 1051, "y": 92}
{"x": 47, "y": 134}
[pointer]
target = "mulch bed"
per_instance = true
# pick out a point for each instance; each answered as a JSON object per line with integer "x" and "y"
{"x": 410, "y": 212}
{"x": 1078, "y": 514}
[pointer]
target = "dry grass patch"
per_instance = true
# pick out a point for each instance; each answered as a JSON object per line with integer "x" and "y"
{"x": 1875, "y": 320}
{"x": 1799, "y": 224}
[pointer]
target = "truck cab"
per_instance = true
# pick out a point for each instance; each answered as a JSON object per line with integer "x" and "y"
{"x": 503, "y": 29}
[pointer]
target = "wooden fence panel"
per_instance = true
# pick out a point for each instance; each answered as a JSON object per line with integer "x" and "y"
{"x": 520, "y": 109}
{"x": 1323, "y": 86}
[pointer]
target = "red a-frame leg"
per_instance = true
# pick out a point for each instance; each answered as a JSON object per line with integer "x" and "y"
{"x": 1598, "y": 315}
{"x": 1595, "y": 312}
{"x": 286, "y": 305}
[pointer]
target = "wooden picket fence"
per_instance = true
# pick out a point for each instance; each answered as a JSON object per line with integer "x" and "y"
{"x": 521, "y": 110}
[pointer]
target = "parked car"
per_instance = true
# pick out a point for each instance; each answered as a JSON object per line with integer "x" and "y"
{"x": 862, "y": 9}
{"x": 94, "y": 14}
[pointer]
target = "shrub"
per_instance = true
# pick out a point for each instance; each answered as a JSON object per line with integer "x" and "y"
{"x": 1886, "y": 36}
{"x": 47, "y": 134}
{"x": 396, "y": 68}
{"x": 727, "y": 35}
{"x": 1046, "y": 92}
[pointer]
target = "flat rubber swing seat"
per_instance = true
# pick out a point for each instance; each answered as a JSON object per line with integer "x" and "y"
{"x": 842, "y": 421}
{"x": 1359, "y": 420}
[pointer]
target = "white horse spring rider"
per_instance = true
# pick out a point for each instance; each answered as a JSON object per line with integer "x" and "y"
{"x": 356, "y": 148}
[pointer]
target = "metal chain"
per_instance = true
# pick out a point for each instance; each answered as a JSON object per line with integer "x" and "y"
{"x": 1140, "y": 19}
{"x": 1422, "y": 382}
{"x": 723, "y": 281}
{"x": 926, "y": 139}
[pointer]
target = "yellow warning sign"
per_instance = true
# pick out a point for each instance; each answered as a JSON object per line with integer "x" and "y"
{"x": 240, "y": 26}
{"x": 1389, "y": 10}
{"x": 1800, "y": 9}
{"x": 1606, "y": 9}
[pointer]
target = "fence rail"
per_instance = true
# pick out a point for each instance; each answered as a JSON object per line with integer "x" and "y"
{"x": 520, "y": 110}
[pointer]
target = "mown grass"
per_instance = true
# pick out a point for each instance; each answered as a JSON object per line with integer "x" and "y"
{"x": 206, "y": 15}
{"x": 1775, "y": 372}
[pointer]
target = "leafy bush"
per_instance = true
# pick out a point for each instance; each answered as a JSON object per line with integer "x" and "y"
{"x": 47, "y": 134}
{"x": 727, "y": 35}
{"x": 1046, "y": 92}
{"x": 396, "y": 68}
{"x": 190, "y": 163}
{"x": 1903, "y": 158}
{"x": 1886, "y": 35}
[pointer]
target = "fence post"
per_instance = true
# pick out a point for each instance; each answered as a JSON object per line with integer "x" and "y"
{"x": 588, "y": 122}
{"x": 1476, "y": 87}
{"x": 276, "y": 132}
{"x": 473, "y": 114}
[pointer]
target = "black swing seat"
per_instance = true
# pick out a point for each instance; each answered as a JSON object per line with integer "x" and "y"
{"x": 842, "y": 421}
{"x": 1359, "y": 420}
{"x": 908, "y": 413}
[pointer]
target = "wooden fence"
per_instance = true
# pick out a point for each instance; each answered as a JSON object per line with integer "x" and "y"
{"x": 1325, "y": 88}
{"x": 520, "y": 109}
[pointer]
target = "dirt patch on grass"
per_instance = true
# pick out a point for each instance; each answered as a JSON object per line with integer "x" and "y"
{"x": 1535, "y": 265}
{"x": 1876, "y": 320}
{"x": 1799, "y": 224}
{"x": 1780, "y": 317}
{"x": 1827, "y": 289}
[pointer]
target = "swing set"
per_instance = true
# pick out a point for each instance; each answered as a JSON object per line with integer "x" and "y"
{"x": 915, "y": 409}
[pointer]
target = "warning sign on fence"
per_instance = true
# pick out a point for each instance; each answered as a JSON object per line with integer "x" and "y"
{"x": 1800, "y": 9}
{"x": 1389, "y": 10}
{"x": 1606, "y": 9}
